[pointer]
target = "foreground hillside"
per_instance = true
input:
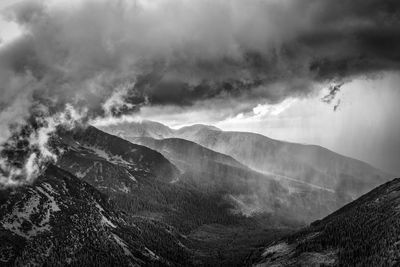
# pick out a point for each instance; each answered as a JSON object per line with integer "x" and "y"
{"x": 365, "y": 232}
{"x": 60, "y": 220}
{"x": 306, "y": 163}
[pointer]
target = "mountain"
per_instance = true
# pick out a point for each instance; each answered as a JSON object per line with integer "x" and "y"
{"x": 143, "y": 184}
{"x": 251, "y": 192}
{"x": 188, "y": 155}
{"x": 139, "y": 180}
{"x": 164, "y": 202}
{"x": 61, "y": 220}
{"x": 143, "y": 128}
{"x": 308, "y": 163}
{"x": 290, "y": 161}
{"x": 366, "y": 232}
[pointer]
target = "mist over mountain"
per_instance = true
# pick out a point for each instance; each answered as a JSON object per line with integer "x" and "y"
{"x": 310, "y": 164}
{"x": 252, "y": 193}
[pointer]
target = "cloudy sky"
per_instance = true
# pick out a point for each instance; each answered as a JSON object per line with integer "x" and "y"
{"x": 365, "y": 125}
{"x": 313, "y": 71}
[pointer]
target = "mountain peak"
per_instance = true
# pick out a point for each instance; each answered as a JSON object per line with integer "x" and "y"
{"x": 199, "y": 127}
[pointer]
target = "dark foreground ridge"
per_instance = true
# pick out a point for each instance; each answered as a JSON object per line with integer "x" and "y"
{"x": 365, "y": 232}
{"x": 61, "y": 220}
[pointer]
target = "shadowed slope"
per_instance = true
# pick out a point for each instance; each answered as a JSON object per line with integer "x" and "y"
{"x": 63, "y": 220}
{"x": 364, "y": 233}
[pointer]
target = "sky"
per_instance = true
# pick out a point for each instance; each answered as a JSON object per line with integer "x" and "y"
{"x": 9, "y": 30}
{"x": 365, "y": 125}
{"x": 312, "y": 71}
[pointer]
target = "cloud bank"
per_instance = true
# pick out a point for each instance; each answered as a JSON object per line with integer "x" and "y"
{"x": 110, "y": 58}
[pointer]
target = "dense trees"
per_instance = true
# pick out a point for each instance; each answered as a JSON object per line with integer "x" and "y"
{"x": 365, "y": 232}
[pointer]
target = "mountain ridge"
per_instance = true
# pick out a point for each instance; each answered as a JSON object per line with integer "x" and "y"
{"x": 364, "y": 232}
{"x": 157, "y": 202}
{"x": 140, "y": 191}
{"x": 60, "y": 219}
{"x": 307, "y": 163}
{"x": 168, "y": 132}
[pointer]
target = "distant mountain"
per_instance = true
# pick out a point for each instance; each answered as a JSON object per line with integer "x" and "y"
{"x": 251, "y": 192}
{"x": 187, "y": 154}
{"x": 61, "y": 220}
{"x": 307, "y": 163}
{"x": 365, "y": 232}
{"x": 140, "y": 129}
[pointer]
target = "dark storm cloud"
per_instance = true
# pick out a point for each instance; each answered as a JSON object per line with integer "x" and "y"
{"x": 111, "y": 57}
{"x": 187, "y": 51}
{"x": 300, "y": 43}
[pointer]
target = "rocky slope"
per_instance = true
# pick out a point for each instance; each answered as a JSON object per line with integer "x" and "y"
{"x": 139, "y": 180}
{"x": 365, "y": 232}
{"x": 61, "y": 220}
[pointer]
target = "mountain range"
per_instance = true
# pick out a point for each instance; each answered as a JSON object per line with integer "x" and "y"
{"x": 146, "y": 194}
{"x": 308, "y": 164}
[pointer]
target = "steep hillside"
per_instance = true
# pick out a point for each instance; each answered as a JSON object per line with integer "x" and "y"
{"x": 252, "y": 193}
{"x": 141, "y": 211}
{"x": 114, "y": 149}
{"x": 311, "y": 164}
{"x": 61, "y": 220}
{"x": 128, "y": 174}
{"x": 365, "y": 232}
{"x": 186, "y": 154}
{"x": 139, "y": 180}
{"x": 307, "y": 163}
